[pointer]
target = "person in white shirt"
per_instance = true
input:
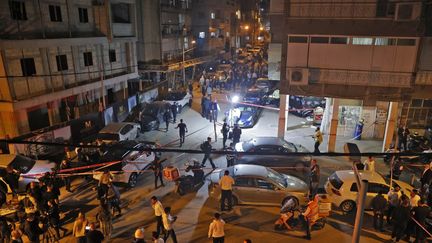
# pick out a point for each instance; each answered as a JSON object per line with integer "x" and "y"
{"x": 168, "y": 221}
{"x": 159, "y": 210}
{"x": 414, "y": 198}
{"x": 369, "y": 164}
{"x": 226, "y": 183}
{"x": 216, "y": 229}
{"x": 156, "y": 238}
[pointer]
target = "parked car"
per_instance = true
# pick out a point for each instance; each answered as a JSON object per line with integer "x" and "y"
{"x": 342, "y": 190}
{"x": 263, "y": 84}
{"x": 153, "y": 115}
{"x": 133, "y": 162}
{"x": 30, "y": 169}
{"x": 255, "y": 96}
{"x": 115, "y": 132}
{"x": 303, "y": 106}
{"x": 182, "y": 98}
{"x": 282, "y": 150}
{"x": 249, "y": 115}
{"x": 259, "y": 185}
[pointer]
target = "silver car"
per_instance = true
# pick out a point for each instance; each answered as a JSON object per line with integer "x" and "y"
{"x": 29, "y": 169}
{"x": 259, "y": 185}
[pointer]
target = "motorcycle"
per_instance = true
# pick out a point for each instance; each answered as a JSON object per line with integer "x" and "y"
{"x": 190, "y": 182}
{"x": 417, "y": 143}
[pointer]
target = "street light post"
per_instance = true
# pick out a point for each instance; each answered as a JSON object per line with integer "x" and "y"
{"x": 183, "y": 56}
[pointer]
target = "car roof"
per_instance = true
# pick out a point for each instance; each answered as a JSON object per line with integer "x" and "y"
{"x": 371, "y": 176}
{"x": 267, "y": 141}
{"x": 114, "y": 127}
{"x": 6, "y": 159}
{"x": 250, "y": 170}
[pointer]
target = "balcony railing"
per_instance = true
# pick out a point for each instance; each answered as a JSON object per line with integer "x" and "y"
{"x": 424, "y": 78}
{"x": 363, "y": 78}
{"x": 330, "y": 10}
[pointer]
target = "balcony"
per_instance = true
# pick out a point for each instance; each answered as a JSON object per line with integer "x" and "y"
{"x": 424, "y": 78}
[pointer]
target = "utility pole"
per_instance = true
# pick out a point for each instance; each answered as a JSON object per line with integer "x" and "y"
{"x": 183, "y": 54}
{"x": 363, "y": 188}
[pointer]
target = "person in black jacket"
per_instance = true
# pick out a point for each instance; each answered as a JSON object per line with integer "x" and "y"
{"x": 53, "y": 214}
{"x": 67, "y": 182}
{"x": 31, "y": 228}
{"x": 157, "y": 168}
{"x": 207, "y": 148}
{"x": 420, "y": 214}
{"x": 94, "y": 235}
{"x": 225, "y": 130}
{"x": 236, "y": 134}
{"x": 166, "y": 117}
{"x": 174, "y": 111}
{"x": 400, "y": 218}
{"x": 379, "y": 205}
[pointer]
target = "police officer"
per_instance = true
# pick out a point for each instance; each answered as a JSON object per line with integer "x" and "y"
{"x": 174, "y": 111}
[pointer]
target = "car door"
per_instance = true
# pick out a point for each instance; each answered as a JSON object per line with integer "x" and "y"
{"x": 268, "y": 192}
{"x": 373, "y": 189}
{"x": 144, "y": 159}
{"x": 245, "y": 189}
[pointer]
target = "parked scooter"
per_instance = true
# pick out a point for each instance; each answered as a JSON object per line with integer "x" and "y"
{"x": 190, "y": 182}
{"x": 417, "y": 143}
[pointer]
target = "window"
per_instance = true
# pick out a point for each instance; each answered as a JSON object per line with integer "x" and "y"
{"x": 120, "y": 13}
{"x": 372, "y": 188}
{"x": 404, "y": 11}
{"x": 381, "y": 8}
{"x": 17, "y": 10}
{"x": 244, "y": 182}
{"x": 61, "y": 62}
{"x": 201, "y": 35}
{"x": 416, "y": 103}
{"x": 88, "y": 59}
{"x": 83, "y": 15}
{"x": 406, "y": 42}
{"x": 55, "y": 13}
{"x": 112, "y": 56}
{"x": 320, "y": 40}
{"x": 385, "y": 41}
{"x": 212, "y": 15}
{"x": 339, "y": 40}
{"x": 28, "y": 66}
{"x": 263, "y": 184}
{"x": 298, "y": 39}
{"x": 362, "y": 41}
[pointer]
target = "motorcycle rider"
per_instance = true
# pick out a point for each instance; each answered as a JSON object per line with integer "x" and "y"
{"x": 310, "y": 216}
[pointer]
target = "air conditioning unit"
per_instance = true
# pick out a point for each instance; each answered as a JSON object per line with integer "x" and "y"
{"x": 298, "y": 76}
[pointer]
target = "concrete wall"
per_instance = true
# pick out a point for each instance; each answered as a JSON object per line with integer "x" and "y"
{"x": 149, "y": 32}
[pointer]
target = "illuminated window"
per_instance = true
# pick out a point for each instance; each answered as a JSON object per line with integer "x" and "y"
{"x": 362, "y": 41}
{"x": 212, "y": 15}
{"x": 385, "y": 41}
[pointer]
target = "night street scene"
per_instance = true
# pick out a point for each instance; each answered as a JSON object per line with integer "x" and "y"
{"x": 199, "y": 121}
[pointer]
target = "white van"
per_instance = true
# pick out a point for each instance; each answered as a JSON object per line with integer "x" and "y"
{"x": 115, "y": 132}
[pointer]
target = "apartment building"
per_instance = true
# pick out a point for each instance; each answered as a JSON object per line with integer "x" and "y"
{"x": 215, "y": 24}
{"x": 61, "y": 60}
{"x": 364, "y": 55}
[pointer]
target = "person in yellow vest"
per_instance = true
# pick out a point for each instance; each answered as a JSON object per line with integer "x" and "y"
{"x": 318, "y": 140}
{"x": 310, "y": 216}
{"x": 226, "y": 183}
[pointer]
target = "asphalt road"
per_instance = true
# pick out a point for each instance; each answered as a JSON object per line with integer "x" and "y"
{"x": 195, "y": 210}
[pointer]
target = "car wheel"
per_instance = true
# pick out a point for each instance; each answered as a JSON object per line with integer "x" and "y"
{"x": 133, "y": 178}
{"x": 348, "y": 206}
{"x": 296, "y": 201}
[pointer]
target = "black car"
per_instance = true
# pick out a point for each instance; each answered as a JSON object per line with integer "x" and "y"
{"x": 303, "y": 106}
{"x": 152, "y": 115}
{"x": 282, "y": 160}
{"x": 255, "y": 96}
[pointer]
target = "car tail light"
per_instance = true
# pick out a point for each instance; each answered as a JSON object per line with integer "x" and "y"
{"x": 336, "y": 192}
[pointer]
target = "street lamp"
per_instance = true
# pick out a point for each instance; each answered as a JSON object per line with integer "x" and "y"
{"x": 246, "y": 27}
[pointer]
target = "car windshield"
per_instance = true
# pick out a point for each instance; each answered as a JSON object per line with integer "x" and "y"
{"x": 276, "y": 177}
{"x": 175, "y": 96}
{"x": 22, "y": 164}
{"x": 245, "y": 108}
{"x": 109, "y": 136}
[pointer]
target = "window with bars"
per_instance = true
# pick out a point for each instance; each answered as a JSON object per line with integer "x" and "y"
{"x": 62, "y": 62}
{"x": 88, "y": 59}
{"x": 55, "y": 13}
{"x": 112, "y": 55}
{"x": 28, "y": 66}
{"x": 120, "y": 13}
{"x": 83, "y": 15}
{"x": 17, "y": 10}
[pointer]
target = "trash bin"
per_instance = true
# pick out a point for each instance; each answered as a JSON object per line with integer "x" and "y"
{"x": 358, "y": 130}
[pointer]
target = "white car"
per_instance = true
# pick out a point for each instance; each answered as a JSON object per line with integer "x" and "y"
{"x": 30, "y": 169}
{"x": 341, "y": 188}
{"x": 133, "y": 162}
{"x": 181, "y": 98}
{"x": 115, "y": 132}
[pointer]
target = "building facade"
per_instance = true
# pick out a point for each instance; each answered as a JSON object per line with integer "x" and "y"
{"x": 60, "y": 60}
{"x": 365, "y": 55}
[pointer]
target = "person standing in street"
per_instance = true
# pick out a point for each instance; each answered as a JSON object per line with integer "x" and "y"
{"x": 174, "y": 111}
{"x": 400, "y": 218}
{"x": 168, "y": 221}
{"x": 314, "y": 178}
{"x": 420, "y": 213}
{"x": 369, "y": 164}
{"x": 105, "y": 220}
{"x": 167, "y": 117}
{"x": 403, "y": 134}
{"x": 159, "y": 211}
{"x": 393, "y": 199}
{"x": 230, "y": 157}
{"x": 426, "y": 178}
{"x": 379, "y": 204}
{"x": 225, "y": 130}
{"x": 216, "y": 229}
{"x": 190, "y": 87}
{"x": 94, "y": 235}
{"x": 78, "y": 230}
{"x": 207, "y": 148}
{"x": 214, "y": 106}
{"x": 236, "y": 134}
{"x": 182, "y": 131}
{"x": 157, "y": 168}
{"x": 66, "y": 179}
{"x": 226, "y": 183}
{"x": 318, "y": 140}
